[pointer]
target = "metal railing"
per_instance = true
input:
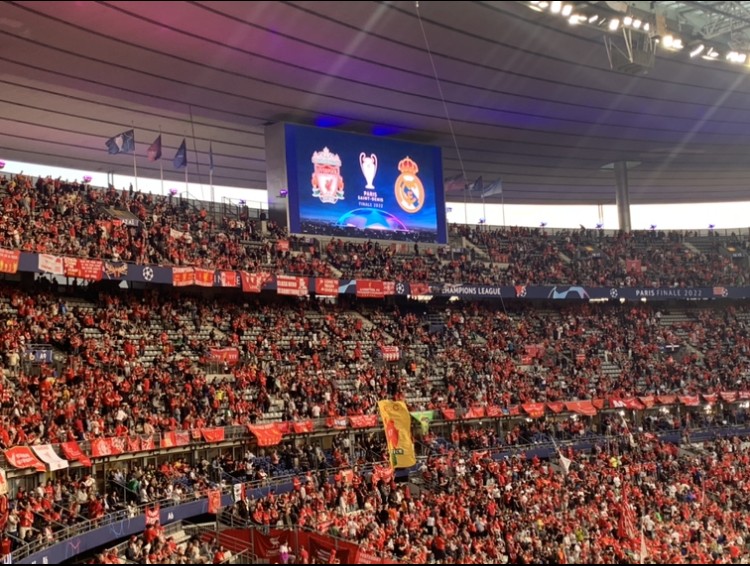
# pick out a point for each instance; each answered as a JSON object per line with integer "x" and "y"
{"x": 696, "y": 435}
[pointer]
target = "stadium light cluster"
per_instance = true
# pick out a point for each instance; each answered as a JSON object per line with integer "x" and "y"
{"x": 649, "y": 24}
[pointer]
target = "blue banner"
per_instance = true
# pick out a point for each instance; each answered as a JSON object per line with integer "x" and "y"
{"x": 149, "y": 274}
{"x": 121, "y": 271}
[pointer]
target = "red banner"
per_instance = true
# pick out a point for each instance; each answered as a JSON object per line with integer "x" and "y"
{"x": 629, "y": 403}
{"x": 9, "y": 261}
{"x": 253, "y": 282}
{"x": 337, "y": 422}
{"x": 584, "y": 408}
{"x": 147, "y": 442}
{"x": 221, "y": 355}
{"x": 449, "y": 414}
{"x": 100, "y": 447}
{"x": 103, "y": 447}
{"x": 690, "y": 400}
{"x": 89, "y": 269}
{"x": 326, "y": 287}
{"x": 22, "y": 457}
{"x": 264, "y": 546}
{"x": 228, "y": 279}
{"x": 168, "y": 440}
{"x": 363, "y": 421}
{"x": 290, "y": 285}
{"x": 419, "y": 289}
{"x": 534, "y": 410}
{"x": 266, "y": 434}
{"x": 183, "y": 276}
{"x": 302, "y": 427}
{"x": 494, "y": 411}
{"x": 370, "y": 289}
{"x": 326, "y": 550}
{"x": 556, "y": 406}
{"x": 182, "y": 437}
{"x": 74, "y": 453}
{"x": 118, "y": 445}
{"x": 134, "y": 444}
{"x": 213, "y": 434}
{"x": 363, "y": 557}
{"x": 474, "y": 413}
{"x": 204, "y": 277}
{"x": 389, "y": 288}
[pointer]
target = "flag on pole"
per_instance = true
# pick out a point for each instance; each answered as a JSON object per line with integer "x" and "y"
{"x": 644, "y": 550}
{"x": 397, "y": 422}
{"x": 211, "y": 157}
{"x": 455, "y": 183}
{"x": 154, "y": 150}
{"x": 477, "y": 186}
{"x": 180, "y": 158}
{"x": 626, "y": 522}
{"x": 121, "y": 143}
{"x": 564, "y": 463}
{"x": 494, "y": 188}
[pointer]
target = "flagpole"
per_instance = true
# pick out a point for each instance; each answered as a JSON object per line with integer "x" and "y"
{"x": 466, "y": 206}
{"x": 502, "y": 195}
{"x": 161, "y": 164}
{"x": 211, "y": 171}
{"x": 135, "y": 165}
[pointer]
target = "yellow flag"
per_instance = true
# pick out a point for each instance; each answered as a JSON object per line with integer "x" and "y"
{"x": 397, "y": 424}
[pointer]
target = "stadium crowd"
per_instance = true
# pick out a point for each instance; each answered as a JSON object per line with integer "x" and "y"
{"x": 643, "y": 501}
{"x": 53, "y": 216}
{"x": 135, "y": 363}
{"x": 142, "y": 363}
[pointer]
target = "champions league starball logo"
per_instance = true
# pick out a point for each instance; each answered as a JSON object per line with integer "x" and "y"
{"x": 409, "y": 190}
{"x": 327, "y": 182}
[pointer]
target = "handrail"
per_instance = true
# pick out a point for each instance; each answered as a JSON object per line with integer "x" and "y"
{"x": 111, "y": 518}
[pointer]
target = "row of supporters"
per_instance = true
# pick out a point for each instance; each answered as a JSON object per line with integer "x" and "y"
{"x": 13, "y": 261}
{"x": 394, "y": 416}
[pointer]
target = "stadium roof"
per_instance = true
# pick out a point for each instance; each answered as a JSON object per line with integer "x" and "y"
{"x": 520, "y": 95}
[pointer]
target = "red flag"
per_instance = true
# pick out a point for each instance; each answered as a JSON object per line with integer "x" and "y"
{"x": 626, "y": 522}
{"x": 152, "y": 514}
{"x": 214, "y": 501}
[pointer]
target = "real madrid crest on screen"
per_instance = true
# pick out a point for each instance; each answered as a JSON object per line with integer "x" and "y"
{"x": 409, "y": 190}
{"x": 327, "y": 182}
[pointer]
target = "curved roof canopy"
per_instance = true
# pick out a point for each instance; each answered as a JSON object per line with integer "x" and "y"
{"x": 506, "y": 91}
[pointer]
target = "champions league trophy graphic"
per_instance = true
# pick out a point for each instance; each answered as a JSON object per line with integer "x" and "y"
{"x": 369, "y": 166}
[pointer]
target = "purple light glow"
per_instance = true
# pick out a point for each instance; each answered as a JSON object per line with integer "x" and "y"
{"x": 172, "y": 192}
{"x": 329, "y": 121}
{"x": 2, "y": 164}
{"x": 87, "y": 179}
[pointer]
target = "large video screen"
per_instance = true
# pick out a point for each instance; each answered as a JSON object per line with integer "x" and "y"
{"x": 349, "y": 185}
